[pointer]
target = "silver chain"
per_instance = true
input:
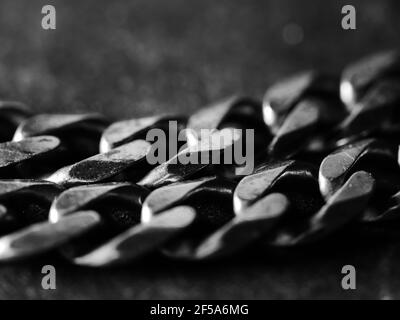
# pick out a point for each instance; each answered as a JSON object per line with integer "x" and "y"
{"x": 326, "y": 155}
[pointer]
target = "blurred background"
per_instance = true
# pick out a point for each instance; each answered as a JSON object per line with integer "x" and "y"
{"x": 137, "y": 58}
{"x": 132, "y": 58}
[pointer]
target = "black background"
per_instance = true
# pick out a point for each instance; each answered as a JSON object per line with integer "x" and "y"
{"x": 138, "y": 58}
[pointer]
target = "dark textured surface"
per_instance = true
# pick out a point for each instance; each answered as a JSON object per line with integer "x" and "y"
{"x": 136, "y": 58}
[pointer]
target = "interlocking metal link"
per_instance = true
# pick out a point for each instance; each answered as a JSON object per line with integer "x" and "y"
{"x": 301, "y": 110}
{"x": 327, "y": 161}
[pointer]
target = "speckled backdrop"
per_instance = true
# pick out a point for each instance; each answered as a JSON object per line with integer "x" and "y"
{"x": 137, "y": 58}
